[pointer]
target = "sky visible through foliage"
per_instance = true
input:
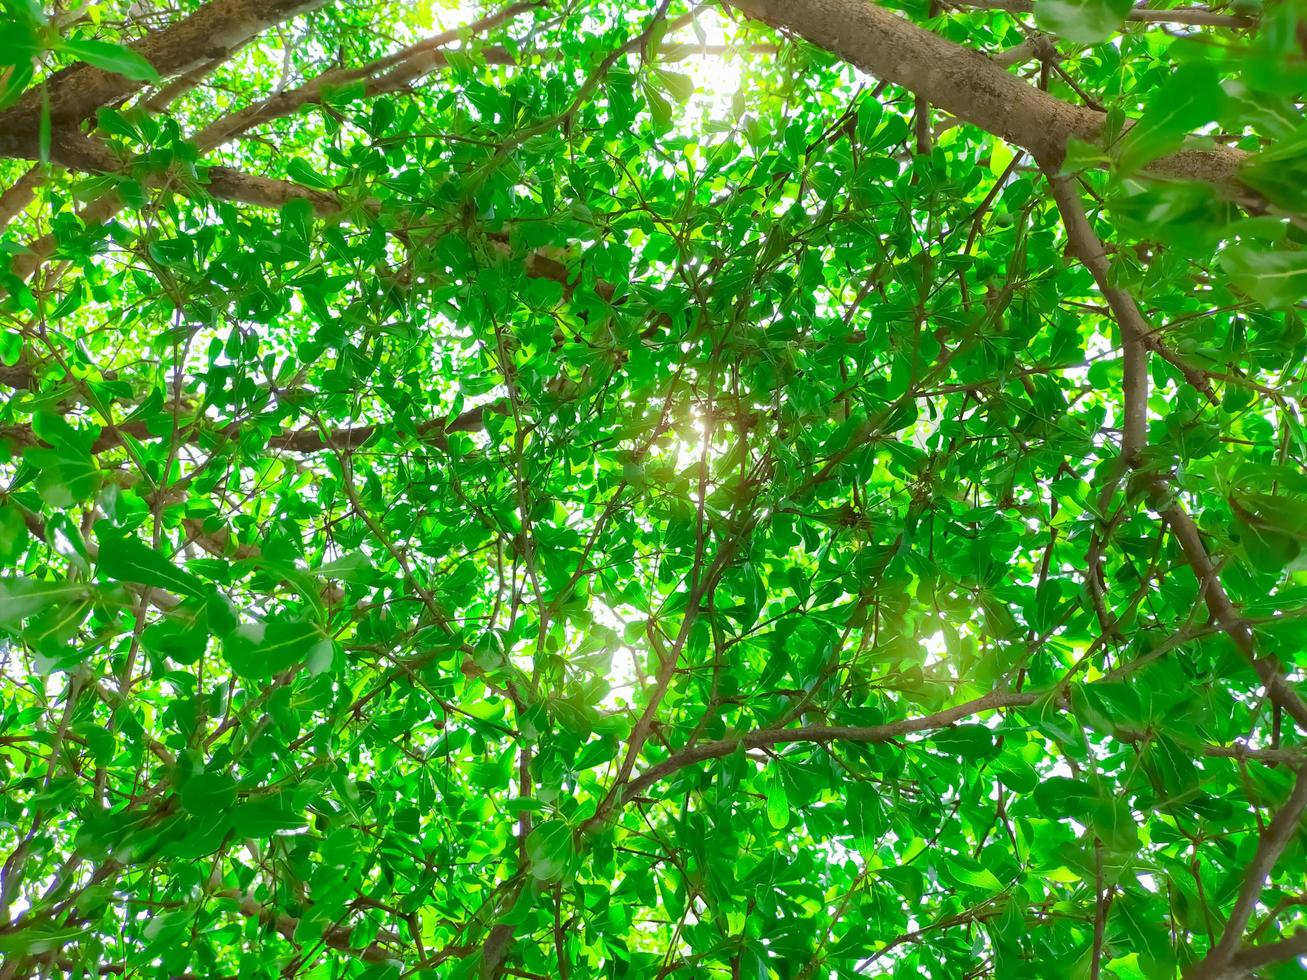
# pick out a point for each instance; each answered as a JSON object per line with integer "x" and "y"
{"x": 628, "y": 488}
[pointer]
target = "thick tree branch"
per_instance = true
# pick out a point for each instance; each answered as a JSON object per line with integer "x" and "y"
{"x": 968, "y": 85}
{"x": 1193, "y": 16}
{"x": 74, "y": 94}
{"x": 1252, "y": 957}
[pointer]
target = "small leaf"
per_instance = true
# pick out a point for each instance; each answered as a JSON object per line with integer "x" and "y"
{"x": 299, "y": 171}
{"x": 550, "y": 850}
{"x": 679, "y": 86}
{"x": 208, "y": 792}
{"x": 778, "y": 805}
{"x": 13, "y": 535}
{"x": 64, "y": 477}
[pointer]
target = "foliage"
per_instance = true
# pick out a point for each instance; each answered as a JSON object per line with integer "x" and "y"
{"x": 614, "y": 490}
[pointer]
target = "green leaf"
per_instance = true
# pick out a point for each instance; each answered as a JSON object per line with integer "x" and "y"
{"x": 681, "y": 87}
{"x": 1189, "y": 98}
{"x": 263, "y": 817}
{"x": 126, "y": 559}
{"x": 265, "y": 649}
{"x": 303, "y": 173}
{"x": 1059, "y": 797}
{"x": 208, "y": 793}
{"x": 21, "y": 598}
{"x": 13, "y": 535}
{"x": 968, "y": 873}
{"x": 550, "y": 850}
{"x": 778, "y": 804}
{"x": 1081, "y": 21}
{"x": 111, "y": 57}
{"x": 64, "y": 476}
{"x": 1116, "y": 824}
{"x": 1273, "y": 277}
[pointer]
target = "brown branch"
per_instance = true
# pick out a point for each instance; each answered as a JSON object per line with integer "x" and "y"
{"x": 822, "y": 734}
{"x": 1193, "y": 16}
{"x": 19, "y": 194}
{"x": 1137, "y": 335}
{"x": 1086, "y": 246}
{"x": 1277, "y": 835}
{"x": 307, "y": 440}
{"x": 1280, "y": 690}
{"x": 402, "y": 68}
{"x": 103, "y": 208}
{"x": 75, "y": 93}
{"x": 1039, "y": 46}
{"x": 968, "y": 85}
{"x": 336, "y": 937}
{"x": 1252, "y": 957}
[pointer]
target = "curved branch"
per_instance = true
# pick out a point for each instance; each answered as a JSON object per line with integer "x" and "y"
{"x": 209, "y": 34}
{"x": 1274, "y": 839}
{"x": 401, "y": 68}
{"x": 1280, "y": 690}
{"x": 968, "y": 85}
{"x": 871, "y": 734}
{"x": 1257, "y": 956}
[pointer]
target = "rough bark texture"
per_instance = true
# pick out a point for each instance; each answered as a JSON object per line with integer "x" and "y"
{"x": 209, "y": 34}
{"x": 1196, "y": 16}
{"x": 966, "y": 84}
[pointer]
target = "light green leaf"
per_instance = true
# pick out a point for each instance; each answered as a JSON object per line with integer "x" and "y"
{"x": 1081, "y": 21}
{"x": 21, "y": 598}
{"x": 1189, "y": 98}
{"x": 265, "y": 649}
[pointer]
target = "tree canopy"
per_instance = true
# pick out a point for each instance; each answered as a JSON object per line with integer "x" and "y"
{"x": 632, "y": 488}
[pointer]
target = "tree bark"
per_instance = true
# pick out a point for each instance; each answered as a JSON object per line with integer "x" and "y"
{"x": 970, "y": 86}
{"x": 76, "y": 92}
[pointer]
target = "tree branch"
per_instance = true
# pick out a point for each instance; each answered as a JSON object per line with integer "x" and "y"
{"x": 1193, "y": 16}
{"x": 1252, "y": 957}
{"x": 75, "y": 93}
{"x": 1278, "y": 687}
{"x": 1085, "y": 245}
{"x": 1272, "y": 843}
{"x": 402, "y": 67}
{"x": 968, "y": 85}
{"x": 822, "y": 734}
